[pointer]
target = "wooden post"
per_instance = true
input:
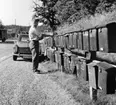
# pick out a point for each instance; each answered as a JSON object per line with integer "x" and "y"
{"x": 93, "y": 93}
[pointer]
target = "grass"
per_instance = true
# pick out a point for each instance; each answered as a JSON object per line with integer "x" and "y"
{"x": 88, "y": 22}
{"x": 79, "y": 89}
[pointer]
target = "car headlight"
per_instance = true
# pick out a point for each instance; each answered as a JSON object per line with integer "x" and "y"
{"x": 15, "y": 48}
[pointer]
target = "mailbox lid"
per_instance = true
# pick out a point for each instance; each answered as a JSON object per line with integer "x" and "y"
{"x": 106, "y": 78}
{"x": 93, "y": 40}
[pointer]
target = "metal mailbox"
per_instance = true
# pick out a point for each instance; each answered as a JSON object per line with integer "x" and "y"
{"x": 62, "y": 41}
{"x": 56, "y": 56}
{"x": 59, "y": 41}
{"x": 107, "y": 38}
{"x": 93, "y": 74}
{"x": 67, "y": 41}
{"x": 71, "y": 40}
{"x": 93, "y": 40}
{"x": 84, "y": 68}
{"x": 56, "y": 41}
{"x": 67, "y": 60}
{"x": 50, "y": 42}
{"x": 73, "y": 64}
{"x": 42, "y": 47}
{"x": 78, "y": 65}
{"x": 65, "y": 64}
{"x": 59, "y": 58}
{"x": 106, "y": 78}
{"x": 50, "y": 54}
{"x": 86, "y": 41}
{"x": 80, "y": 40}
{"x": 75, "y": 40}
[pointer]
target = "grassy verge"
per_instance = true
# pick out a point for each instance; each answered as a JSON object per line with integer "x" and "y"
{"x": 79, "y": 88}
{"x": 88, "y": 22}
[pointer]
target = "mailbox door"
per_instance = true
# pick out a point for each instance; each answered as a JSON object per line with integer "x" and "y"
{"x": 106, "y": 78}
{"x": 80, "y": 40}
{"x": 75, "y": 40}
{"x": 56, "y": 57}
{"x": 58, "y": 39}
{"x": 61, "y": 41}
{"x": 68, "y": 63}
{"x": 103, "y": 39}
{"x": 107, "y": 38}
{"x": 72, "y": 63}
{"x": 60, "y": 58}
{"x": 93, "y": 74}
{"x": 84, "y": 69}
{"x": 78, "y": 66}
{"x": 71, "y": 41}
{"x": 93, "y": 40}
{"x": 67, "y": 42}
{"x": 64, "y": 61}
{"x": 86, "y": 42}
{"x": 52, "y": 56}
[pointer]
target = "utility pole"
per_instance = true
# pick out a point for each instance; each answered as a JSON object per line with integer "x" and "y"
{"x": 15, "y": 22}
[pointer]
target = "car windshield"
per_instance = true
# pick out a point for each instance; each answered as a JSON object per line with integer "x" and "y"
{"x": 24, "y": 38}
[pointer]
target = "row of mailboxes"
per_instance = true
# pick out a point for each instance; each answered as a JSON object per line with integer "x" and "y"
{"x": 96, "y": 39}
{"x": 102, "y": 76}
{"x": 76, "y": 65}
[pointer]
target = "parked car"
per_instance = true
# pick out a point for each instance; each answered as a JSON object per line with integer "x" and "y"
{"x": 21, "y": 47}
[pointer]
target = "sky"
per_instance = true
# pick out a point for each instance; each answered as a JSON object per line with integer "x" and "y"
{"x": 17, "y": 12}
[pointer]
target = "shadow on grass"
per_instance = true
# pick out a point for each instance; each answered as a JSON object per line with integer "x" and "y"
{"x": 48, "y": 72}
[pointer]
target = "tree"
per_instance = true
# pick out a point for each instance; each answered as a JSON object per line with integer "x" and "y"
{"x": 47, "y": 12}
{"x": 1, "y": 25}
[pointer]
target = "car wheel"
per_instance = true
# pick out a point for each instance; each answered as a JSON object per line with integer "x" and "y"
{"x": 14, "y": 57}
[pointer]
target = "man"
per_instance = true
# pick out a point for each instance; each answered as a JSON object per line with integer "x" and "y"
{"x": 34, "y": 37}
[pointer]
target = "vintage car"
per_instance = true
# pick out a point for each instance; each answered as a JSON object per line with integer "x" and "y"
{"x": 21, "y": 47}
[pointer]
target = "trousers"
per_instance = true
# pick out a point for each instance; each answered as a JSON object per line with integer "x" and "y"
{"x": 34, "y": 47}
